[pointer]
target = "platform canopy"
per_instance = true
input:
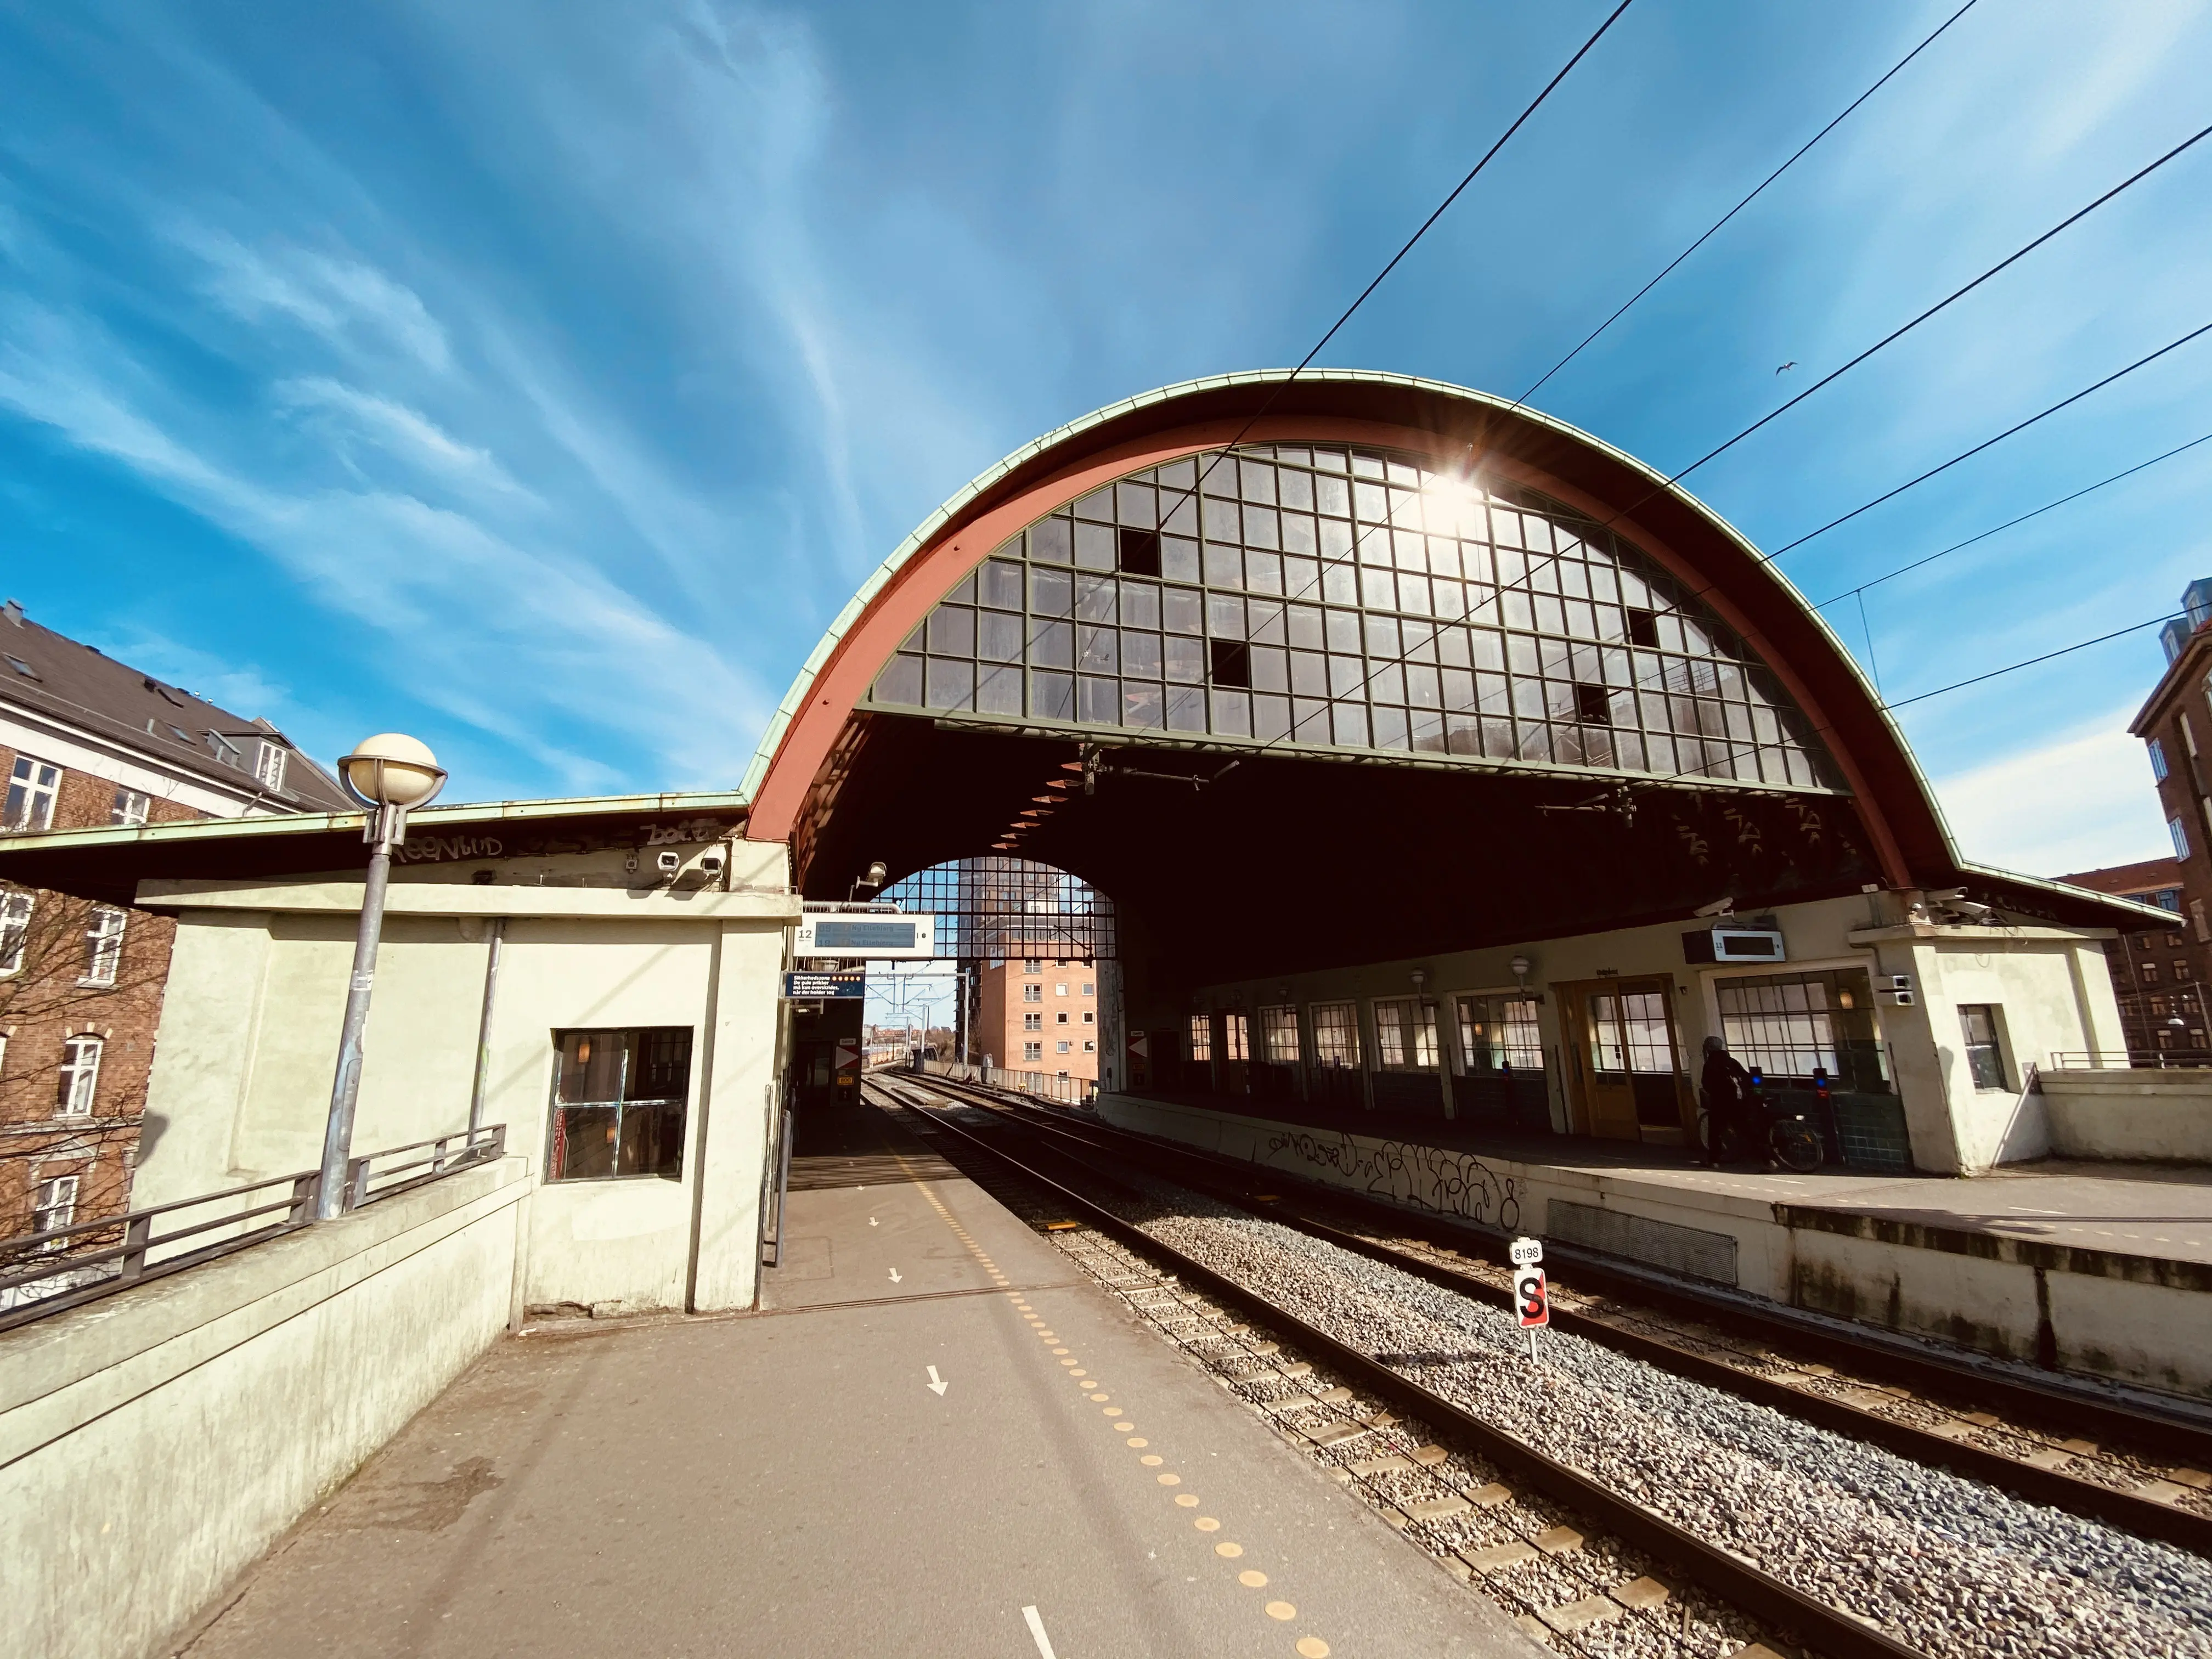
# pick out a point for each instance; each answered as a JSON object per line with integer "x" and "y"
{"x": 1348, "y": 668}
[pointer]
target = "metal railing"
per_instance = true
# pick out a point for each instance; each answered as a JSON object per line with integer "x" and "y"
{"x": 87, "y": 1260}
{"x": 1045, "y": 1085}
{"x": 2099, "y": 1060}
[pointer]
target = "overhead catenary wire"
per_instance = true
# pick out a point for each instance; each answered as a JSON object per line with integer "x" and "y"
{"x": 1903, "y": 569}
{"x": 1712, "y": 230}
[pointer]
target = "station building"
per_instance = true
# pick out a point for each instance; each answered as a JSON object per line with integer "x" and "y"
{"x": 1439, "y": 761}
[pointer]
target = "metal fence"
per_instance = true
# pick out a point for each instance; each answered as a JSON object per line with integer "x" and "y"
{"x": 1045, "y": 1085}
{"x": 43, "y": 1273}
{"x": 2099, "y": 1059}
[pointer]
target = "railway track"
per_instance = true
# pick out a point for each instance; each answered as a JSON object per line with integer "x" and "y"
{"x": 2035, "y": 1449}
{"x": 1088, "y": 1154}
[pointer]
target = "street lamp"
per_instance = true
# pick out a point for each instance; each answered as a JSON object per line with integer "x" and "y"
{"x": 388, "y": 774}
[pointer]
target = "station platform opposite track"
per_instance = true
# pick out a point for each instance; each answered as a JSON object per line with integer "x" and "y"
{"x": 934, "y": 1437}
{"x": 2103, "y": 1269}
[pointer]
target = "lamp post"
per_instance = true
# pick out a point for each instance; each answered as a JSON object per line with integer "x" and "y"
{"x": 388, "y": 774}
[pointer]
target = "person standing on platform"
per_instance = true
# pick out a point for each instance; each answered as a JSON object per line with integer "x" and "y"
{"x": 1730, "y": 1105}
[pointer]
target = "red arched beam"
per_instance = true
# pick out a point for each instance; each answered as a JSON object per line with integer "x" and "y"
{"x": 1779, "y": 628}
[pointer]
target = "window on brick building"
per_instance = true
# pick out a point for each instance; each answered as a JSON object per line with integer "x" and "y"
{"x": 103, "y": 945}
{"x": 1090, "y": 988}
{"x": 1032, "y": 993}
{"x": 1032, "y": 1022}
{"x": 1033, "y": 966}
{"x": 2157, "y": 759}
{"x": 2173, "y": 828}
{"x": 1060, "y": 1047}
{"x": 56, "y": 1207}
{"x": 129, "y": 808}
{"x": 15, "y": 931}
{"x": 1060, "y": 990}
{"x": 1033, "y": 1050}
{"x": 32, "y": 787}
{"x": 78, "y": 1081}
{"x": 2183, "y": 973}
{"x": 620, "y": 1099}
{"x": 1060, "y": 1019}
{"x": 2150, "y": 973}
{"x": 1089, "y": 1017}
{"x": 1090, "y": 1047}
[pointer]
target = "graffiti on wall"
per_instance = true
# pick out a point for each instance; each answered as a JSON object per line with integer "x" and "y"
{"x": 1433, "y": 1178}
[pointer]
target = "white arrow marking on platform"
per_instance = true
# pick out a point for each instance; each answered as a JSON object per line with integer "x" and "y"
{"x": 872, "y": 1221}
{"x": 895, "y": 1278}
{"x": 1036, "y": 1629}
{"x": 935, "y": 1386}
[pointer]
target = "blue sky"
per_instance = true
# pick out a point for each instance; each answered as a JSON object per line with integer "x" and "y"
{"x": 541, "y": 379}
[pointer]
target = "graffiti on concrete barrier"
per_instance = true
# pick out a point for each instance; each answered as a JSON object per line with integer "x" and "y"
{"x": 1433, "y": 1178}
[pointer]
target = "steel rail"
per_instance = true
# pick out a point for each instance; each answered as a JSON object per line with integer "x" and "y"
{"x": 1828, "y": 1630}
{"x": 2145, "y": 1517}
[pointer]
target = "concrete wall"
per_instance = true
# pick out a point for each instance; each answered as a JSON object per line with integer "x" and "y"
{"x": 242, "y": 1081}
{"x": 2103, "y": 1314}
{"x": 2049, "y": 985}
{"x": 154, "y": 1443}
{"x": 2116, "y": 1114}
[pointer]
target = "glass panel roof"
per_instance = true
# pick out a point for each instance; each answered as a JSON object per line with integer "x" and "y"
{"x": 1325, "y": 598}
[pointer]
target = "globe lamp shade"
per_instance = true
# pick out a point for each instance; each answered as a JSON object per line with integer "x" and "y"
{"x": 393, "y": 769}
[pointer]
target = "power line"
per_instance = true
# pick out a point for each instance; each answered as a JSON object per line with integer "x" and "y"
{"x": 1797, "y": 156}
{"x": 1769, "y": 558}
{"x": 2047, "y": 506}
{"x": 1956, "y": 294}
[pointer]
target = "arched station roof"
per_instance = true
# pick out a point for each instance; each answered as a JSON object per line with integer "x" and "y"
{"x": 949, "y": 708}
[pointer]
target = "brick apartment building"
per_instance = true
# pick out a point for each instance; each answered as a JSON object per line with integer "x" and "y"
{"x": 86, "y": 741}
{"x": 2159, "y": 978}
{"x": 1039, "y": 1015}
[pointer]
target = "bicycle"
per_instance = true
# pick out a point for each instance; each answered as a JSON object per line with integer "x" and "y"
{"x": 1792, "y": 1140}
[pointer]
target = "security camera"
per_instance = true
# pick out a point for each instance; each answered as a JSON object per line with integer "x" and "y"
{"x": 668, "y": 862}
{"x": 710, "y": 864}
{"x": 1719, "y": 907}
{"x": 1972, "y": 911}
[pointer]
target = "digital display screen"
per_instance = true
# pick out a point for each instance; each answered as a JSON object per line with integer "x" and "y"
{"x": 864, "y": 936}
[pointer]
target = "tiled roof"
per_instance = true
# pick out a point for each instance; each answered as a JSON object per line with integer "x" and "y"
{"x": 63, "y": 679}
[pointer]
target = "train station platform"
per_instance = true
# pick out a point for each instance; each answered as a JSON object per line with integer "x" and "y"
{"x": 934, "y": 1436}
{"x": 2102, "y": 1269}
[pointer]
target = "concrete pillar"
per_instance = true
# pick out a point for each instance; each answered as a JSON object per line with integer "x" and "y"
{"x": 740, "y": 1090}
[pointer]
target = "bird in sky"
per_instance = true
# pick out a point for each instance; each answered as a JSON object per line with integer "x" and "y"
{"x": 1787, "y": 366}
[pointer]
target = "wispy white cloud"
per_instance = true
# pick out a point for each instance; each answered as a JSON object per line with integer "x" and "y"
{"x": 354, "y": 416}
{"x": 348, "y": 303}
{"x": 2083, "y": 800}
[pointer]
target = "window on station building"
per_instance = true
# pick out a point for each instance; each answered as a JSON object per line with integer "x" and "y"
{"x": 1235, "y": 1037}
{"x": 1279, "y": 1035}
{"x": 32, "y": 787}
{"x": 1201, "y": 1036}
{"x": 1978, "y": 1022}
{"x": 1495, "y": 1032}
{"x": 620, "y": 1100}
{"x": 1336, "y": 1034}
{"x": 1792, "y": 1025}
{"x": 1405, "y": 1035}
{"x": 1354, "y": 599}
{"x": 78, "y": 1082}
{"x": 129, "y": 808}
{"x": 2157, "y": 759}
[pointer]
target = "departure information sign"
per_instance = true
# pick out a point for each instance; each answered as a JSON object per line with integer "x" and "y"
{"x": 825, "y": 987}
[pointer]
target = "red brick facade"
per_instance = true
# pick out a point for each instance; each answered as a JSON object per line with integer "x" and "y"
{"x": 1023, "y": 1033}
{"x": 55, "y": 1124}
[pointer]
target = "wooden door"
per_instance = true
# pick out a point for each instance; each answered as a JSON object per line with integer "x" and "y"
{"x": 1621, "y": 1036}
